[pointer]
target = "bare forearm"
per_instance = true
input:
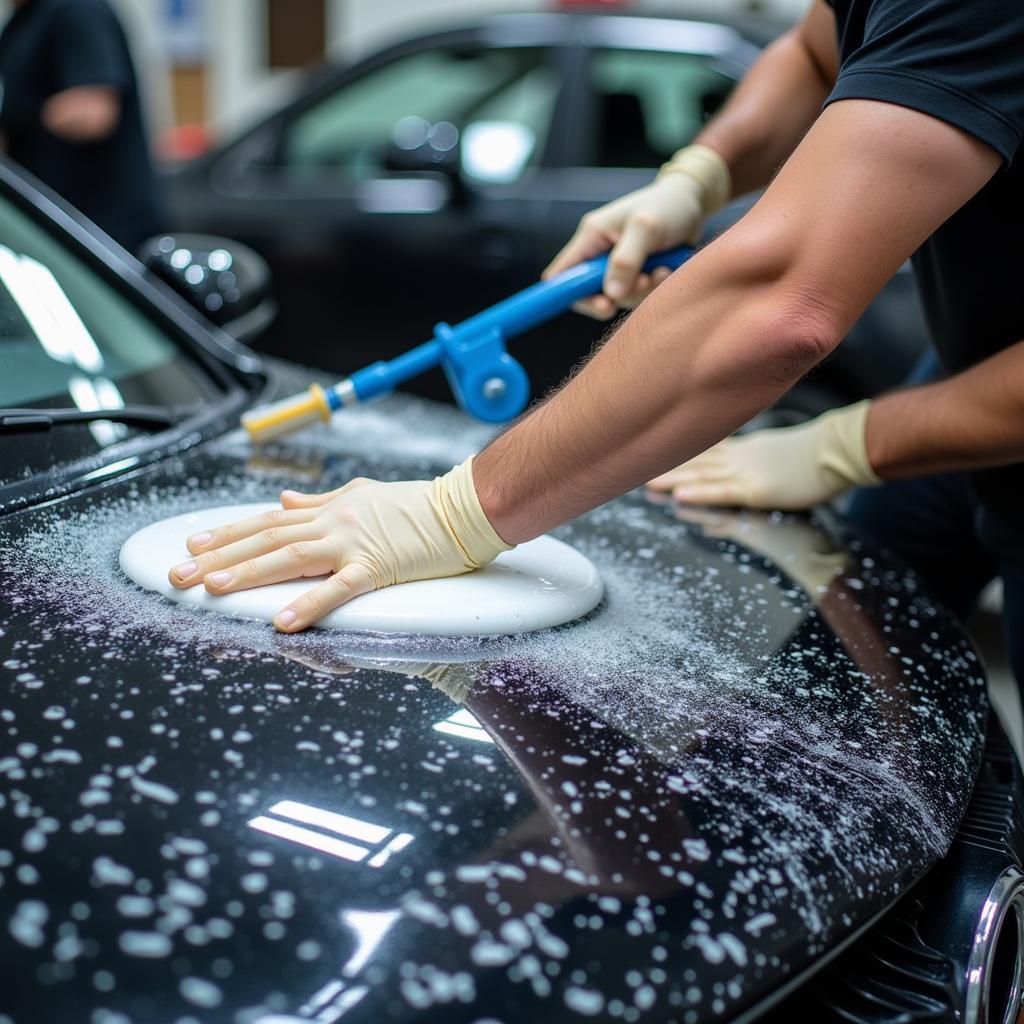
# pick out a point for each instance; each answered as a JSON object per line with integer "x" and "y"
{"x": 970, "y": 421}
{"x": 697, "y": 359}
{"x": 770, "y": 111}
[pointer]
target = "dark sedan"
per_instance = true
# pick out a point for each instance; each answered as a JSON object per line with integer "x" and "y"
{"x": 437, "y": 176}
{"x": 754, "y": 783}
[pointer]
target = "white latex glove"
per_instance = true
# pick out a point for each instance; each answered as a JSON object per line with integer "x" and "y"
{"x": 784, "y": 468}
{"x": 668, "y": 212}
{"x": 366, "y": 535}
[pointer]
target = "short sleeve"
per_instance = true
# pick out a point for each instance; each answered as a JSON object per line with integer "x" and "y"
{"x": 957, "y": 60}
{"x": 86, "y": 46}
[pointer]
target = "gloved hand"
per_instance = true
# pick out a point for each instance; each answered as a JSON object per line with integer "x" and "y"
{"x": 367, "y": 535}
{"x": 669, "y": 211}
{"x": 784, "y": 468}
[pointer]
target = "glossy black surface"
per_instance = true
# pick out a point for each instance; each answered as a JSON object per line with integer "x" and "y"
{"x": 661, "y": 813}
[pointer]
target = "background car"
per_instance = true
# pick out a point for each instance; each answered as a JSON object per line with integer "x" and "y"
{"x": 439, "y": 175}
{"x": 725, "y": 796}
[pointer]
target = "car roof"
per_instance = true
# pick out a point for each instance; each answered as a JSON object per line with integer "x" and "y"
{"x": 663, "y": 30}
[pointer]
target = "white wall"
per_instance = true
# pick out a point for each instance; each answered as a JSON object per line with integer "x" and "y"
{"x": 141, "y": 25}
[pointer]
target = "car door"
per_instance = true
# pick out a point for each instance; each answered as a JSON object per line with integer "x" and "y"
{"x": 642, "y": 89}
{"x": 401, "y": 196}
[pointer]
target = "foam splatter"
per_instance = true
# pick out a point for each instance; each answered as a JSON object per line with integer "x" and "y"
{"x": 700, "y": 769}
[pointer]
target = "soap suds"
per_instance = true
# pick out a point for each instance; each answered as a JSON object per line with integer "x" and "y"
{"x": 693, "y": 735}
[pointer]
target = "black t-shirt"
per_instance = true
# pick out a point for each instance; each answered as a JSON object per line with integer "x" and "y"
{"x": 48, "y": 46}
{"x": 961, "y": 61}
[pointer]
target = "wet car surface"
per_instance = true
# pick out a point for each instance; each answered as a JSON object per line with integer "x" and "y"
{"x": 664, "y": 812}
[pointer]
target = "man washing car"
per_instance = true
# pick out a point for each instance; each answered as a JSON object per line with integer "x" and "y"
{"x": 896, "y": 124}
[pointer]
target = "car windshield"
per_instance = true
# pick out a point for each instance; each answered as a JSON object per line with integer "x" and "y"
{"x": 68, "y": 338}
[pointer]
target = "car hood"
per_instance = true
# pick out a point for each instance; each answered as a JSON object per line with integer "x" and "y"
{"x": 661, "y": 813}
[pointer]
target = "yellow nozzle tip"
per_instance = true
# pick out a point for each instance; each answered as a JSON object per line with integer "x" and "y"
{"x": 291, "y": 414}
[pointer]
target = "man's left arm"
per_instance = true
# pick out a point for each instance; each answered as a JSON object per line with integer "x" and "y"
{"x": 973, "y": 420}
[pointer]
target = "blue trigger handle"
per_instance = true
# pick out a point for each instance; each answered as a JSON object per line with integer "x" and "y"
{"x": 486, "y": 380}
{"x": 546, "y": 299}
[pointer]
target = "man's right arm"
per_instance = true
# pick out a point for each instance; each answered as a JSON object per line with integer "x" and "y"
{"x": 755, "y": 132}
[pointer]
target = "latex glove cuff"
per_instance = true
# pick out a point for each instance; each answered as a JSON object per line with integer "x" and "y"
{"x": 708, "y": 170}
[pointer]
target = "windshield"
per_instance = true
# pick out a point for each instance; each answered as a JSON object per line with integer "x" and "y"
{"x": 68, "y": 338}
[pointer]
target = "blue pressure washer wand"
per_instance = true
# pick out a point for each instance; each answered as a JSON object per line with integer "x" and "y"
{"x": 486, "y": 380}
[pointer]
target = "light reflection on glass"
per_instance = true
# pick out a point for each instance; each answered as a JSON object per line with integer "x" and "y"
{"x": 113, "y": 468}
{"x": 90, "y": 394}
{"x": 496, "y": 150}
{"x": 49, "y": 312}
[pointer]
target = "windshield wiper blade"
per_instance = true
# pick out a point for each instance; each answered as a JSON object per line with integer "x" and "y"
{"x": 14, "y": 420}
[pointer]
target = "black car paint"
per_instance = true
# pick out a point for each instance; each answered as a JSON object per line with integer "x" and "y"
{"x": 784, "y": 786}
{"x": 687, "y": 801}
{"x": 355, "y": 285}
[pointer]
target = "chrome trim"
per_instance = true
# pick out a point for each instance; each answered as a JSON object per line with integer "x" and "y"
{"x": 1005, "y": 897}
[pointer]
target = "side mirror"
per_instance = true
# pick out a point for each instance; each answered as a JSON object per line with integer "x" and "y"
{"x": 225, "y": 281}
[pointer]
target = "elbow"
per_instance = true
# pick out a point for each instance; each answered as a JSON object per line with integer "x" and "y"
{"x": 792, "y": 309}
{"x": 797, "y": 332}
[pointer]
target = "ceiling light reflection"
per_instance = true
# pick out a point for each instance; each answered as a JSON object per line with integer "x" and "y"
{"x": 463, "y": 724}
{"x": 49, "y": 312}
{"x": 381, "y": 842}
{"x": 307, "y": 837}
{"x": 353, "y": 828}
{"x": 370, "y": 927}
{"x": 93, "y": 394}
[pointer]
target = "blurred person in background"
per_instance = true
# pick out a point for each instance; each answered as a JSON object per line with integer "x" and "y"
{"x": 71, "y": 114}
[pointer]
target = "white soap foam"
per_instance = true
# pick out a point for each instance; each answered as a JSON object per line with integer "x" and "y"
{"x": 678, "y": 653}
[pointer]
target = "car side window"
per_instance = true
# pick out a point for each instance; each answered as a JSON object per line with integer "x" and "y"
{"x": 353, "y": 133}
{"x": 649, "y": 103}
